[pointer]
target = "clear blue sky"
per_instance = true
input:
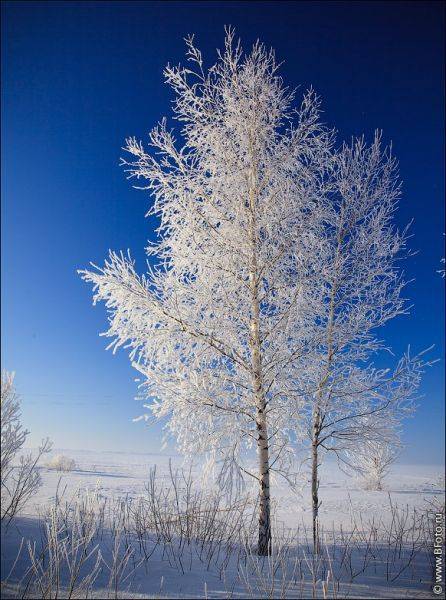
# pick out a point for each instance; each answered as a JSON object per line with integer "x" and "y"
{"x": 78, "y": 77}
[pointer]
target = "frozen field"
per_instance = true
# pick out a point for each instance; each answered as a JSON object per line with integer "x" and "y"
{"x": 177, "y": 569}
{"x": 121, "y": 474}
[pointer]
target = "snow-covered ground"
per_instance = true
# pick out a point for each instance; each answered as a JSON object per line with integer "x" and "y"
{"x": 120, "y": 475}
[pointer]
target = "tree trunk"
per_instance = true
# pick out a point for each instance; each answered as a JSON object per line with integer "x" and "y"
{"x": 315, "y": 481}
{"x": 264, "y": 545}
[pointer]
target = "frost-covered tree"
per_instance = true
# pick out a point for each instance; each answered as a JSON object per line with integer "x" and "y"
{"x": 360, "y": 289}
{"x": 218, "y": 325}
{"x": 60, "y": 462}
{"x": 20, "y": 478}
{"x": 372, "y": 460}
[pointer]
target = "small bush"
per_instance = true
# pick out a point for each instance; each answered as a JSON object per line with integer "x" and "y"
{"x": 61, "y": 463}
{"x": 20, "y": 477}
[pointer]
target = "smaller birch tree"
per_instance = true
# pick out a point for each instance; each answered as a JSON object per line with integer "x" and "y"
{"x": 349, "y": 401}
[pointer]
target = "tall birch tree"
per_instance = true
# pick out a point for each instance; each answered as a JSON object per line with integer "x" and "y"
{"x": 224, "y": 314}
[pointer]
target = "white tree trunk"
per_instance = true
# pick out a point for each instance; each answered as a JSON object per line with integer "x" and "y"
{"x": 264, "y": 545}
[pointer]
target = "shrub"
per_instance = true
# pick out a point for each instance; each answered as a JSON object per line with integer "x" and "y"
{"x": 61, "y": 463}
{"x": 372, "y": 462}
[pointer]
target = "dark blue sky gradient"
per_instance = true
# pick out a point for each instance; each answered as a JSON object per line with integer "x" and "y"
{"x": 78, "y": 77}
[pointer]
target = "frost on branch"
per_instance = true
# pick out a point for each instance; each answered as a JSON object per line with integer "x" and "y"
{"x": 20, "y": 478}
{"x": 188, "y": 323}
{"x": 359, "y": 289}
{"x": 61, "y": 462}
{"x": 372, "y": 462}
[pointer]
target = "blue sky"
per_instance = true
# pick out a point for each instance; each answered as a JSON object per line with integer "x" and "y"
{"x": 78, "y": 77}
